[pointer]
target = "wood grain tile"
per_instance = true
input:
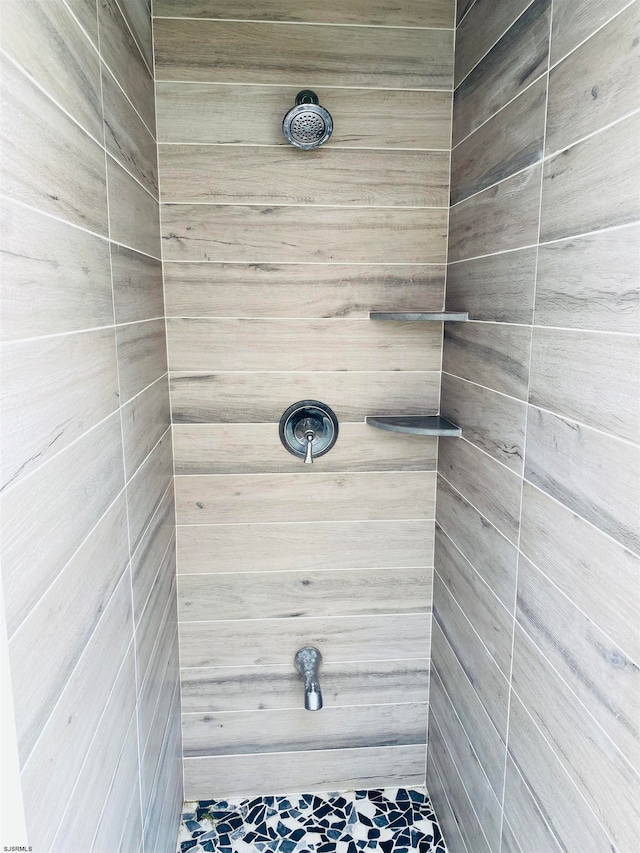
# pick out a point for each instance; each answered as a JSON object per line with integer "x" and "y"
{"x": 230, "y": 233}
{"x": 414, "y": 13}
{"x": 87, "y": 13}
{"x": 294, "y": 594}
{"x": 363, "y": 118}
{"x": 523, "y": 817}
{"x": 322, "y": 545}
{"x": 576, "y": 20}
{"x": 319, "y": 770}
{"x": 147, "y": 487}
{"x": 251, "y": 732}
{"x": 162, "y": 804}
{"x": 598, "y": 167}
{"x": 156, "y": 626}
{"x": 46, "y": 522}
{"x": 142, "y": 356}
{"x": 595, "y": 476}
{"x": 497, "y": 219}
{"x": 509, "y": 142}
{"x": 263, "y": 175}
{"x": 596, "y": 84}
{"x": 249, "y": 642}
{"x": 48, "y": 161}
{"x": 149, "y": 554}
{"x": 250, "y": 688}
{"x": 134, "y": 215}
{"x": 511, "y": 65}
{"x": 259, "y": 397}
{"x": 446, "y": 819}
{"x": 480, "y": 29}
{"x": 137, "y": 285}
{"x": 595, "y": 668}
{"x": 224, "y": 498}
{"x": 345, "y": 344}
{"x": 239, "y": 52}
{"x": 165, "y": 731}
{"x": 492, "y": 421}
{"x": 490, "y": 354}
{"x": 137, "y": 14}
{"x": 485, "y": 483}
{"x": 53, "y": 391}
{"x": 154, "y": 701}
{"x": 46, "y": 41}
{"x": 492, "y": 622}
{"x": 496, "y": 287}
{"x": 490, "y": 553}
{"x": 594, "y": 378}
{"x": 606, "y": 781}
{"x": 256, "y": 449}
{"x": 126, "y": 135}
{"x": 299, "y": 290}
{"x": 582, "y": 562}
{"x": 56, "y": 278}
{"x": 591, "y": 282}
{"x": 145, "y": 419}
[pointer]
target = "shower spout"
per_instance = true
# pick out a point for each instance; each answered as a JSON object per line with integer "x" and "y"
{"x": 307, "y": 661}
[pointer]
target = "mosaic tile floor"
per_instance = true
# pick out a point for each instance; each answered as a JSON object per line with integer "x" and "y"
{"x": 393, "y": 820}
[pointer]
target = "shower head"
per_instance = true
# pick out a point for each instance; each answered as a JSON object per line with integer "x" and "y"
{"x": 307, "y": 125}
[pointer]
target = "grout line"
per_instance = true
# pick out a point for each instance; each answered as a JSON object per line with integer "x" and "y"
{"x": 379, "y": 615}
{"x": 420, "y": 568}
{"x": 281, "y": 523}
{"x": 453, "y": 815}
{"x": 89, "y": 330}
{"x": 300, "y": 752}
{"x": 269, "y": 204}
{"x": 287, "y": 667}
{"x": 538, "y": 809}
{"x": 320, "y": 473}
{"x": 585, "y": 40}
{"x": 133, "y": 35}
{"x": 300, "y": 23}
{"x": 446, "y": 91}
{"x": 499, "y": 323}
{"x": 298, "y": 708}
{"x": 283, "y": 146}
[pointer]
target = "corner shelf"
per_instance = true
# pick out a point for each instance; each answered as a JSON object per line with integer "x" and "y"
{"x": 415, "y": 424}
{"x": 421, "y": 316}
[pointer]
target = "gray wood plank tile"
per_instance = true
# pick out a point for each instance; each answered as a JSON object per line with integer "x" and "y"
{"x": 592, "y": 377}
{"x": 597, "y": 83}
{"x": 594, "y": 667}
{"x": 142, "y": 356}
{"x": 446, "y": 818}
{"x": 137, "y": 285}
{"x": 263, "y": 175}
{"x": 137, "y": 14}
{"x": 497, "y": 219}
{"x": 576, "y": 20}
{"x": 154, "y": 701}
{"x": 511, "y": 65}
{"x": 145, "y": 419}
{"x": 248, "y": 642}
{"x": 482, "y": 27}
{"x": 162, "y": 804}
{"x": 156, "y": 625}
{"x": 605, "y": 780}
{"x": 344, "y": 344}
{"x": 259, "y": 397}
{"x": 251, "y": 688}
{"x": 87, "y": 13}
{"x": 322, "y": 545}
{"x": 485, "y": 483}
{"x": 48, "y": 161}
{"x": 493, "y": 556}
{"x": 240, "y": 52}
{"x": 363, "y": 118}
{"x": 126, "y": 135}
{"x": 46, "y": 41}
{"x": 591, "y": 282}
{"x": 256, "y": 449}
{"x": 294, "y": 594}
{"x": 147, "y": 487}
{"x": 53, "y": 390}
{"x": 523, "y": 818}
{"x": 509, "y": 142}
{"x": 597, "y": 168}
{"x": 134, "y": 214}
{"x": 215, "y": 499}
{"x": 149, "y": 554}
{"x": 123, "y": 58}
{"x": 164, "y": 735}
{"x": 229, "y": 233}
{"x": 386, "y": 13}
{"x": 583, "y": 562}
{"x": 298, "y": 290}
{"x": 318, "y": 770}
{"x": 46, "y": 523}
{"x": 492, "y": 622}
{"x": 490, "y": 354}
{"x": 251, "y": 732}
{"x": 496, "y": 287}
{"x": 56, "y": 278}
{"x": 492, "y": 421}
{"x": 594, "y": 475}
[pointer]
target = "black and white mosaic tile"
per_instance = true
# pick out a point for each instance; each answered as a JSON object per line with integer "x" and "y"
{"x": 392, "y": 820}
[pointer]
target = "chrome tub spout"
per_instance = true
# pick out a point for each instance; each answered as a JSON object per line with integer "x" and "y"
{"x": 307, "y": 661}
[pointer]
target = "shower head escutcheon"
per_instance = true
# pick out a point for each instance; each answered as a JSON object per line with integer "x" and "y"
{"x": 307, "y": 125}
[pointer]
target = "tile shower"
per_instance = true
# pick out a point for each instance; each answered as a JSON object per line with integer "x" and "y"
{"x": 174, "y": 277}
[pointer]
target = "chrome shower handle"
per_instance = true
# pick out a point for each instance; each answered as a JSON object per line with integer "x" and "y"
{"x": 309, "y": 435}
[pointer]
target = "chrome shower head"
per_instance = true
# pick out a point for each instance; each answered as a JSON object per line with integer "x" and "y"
{"x": 307, "y": 125}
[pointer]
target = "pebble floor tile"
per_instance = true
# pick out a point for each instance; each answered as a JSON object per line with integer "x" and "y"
{"x": 393, "y": 820}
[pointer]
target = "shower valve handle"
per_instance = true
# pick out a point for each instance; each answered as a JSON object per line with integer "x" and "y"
{"x": 309, "y": 435}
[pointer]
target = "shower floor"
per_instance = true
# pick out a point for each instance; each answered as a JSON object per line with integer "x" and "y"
{"x": 385, "y": 820}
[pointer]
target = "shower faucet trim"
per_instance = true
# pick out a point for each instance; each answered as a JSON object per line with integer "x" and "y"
{"x": 307, "y": 662}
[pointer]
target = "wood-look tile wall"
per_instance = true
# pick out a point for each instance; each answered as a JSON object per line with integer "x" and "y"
{"x": 88, "y": 549}
{"x": 535, "y": 694}
{"x": 273, "y": 259}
